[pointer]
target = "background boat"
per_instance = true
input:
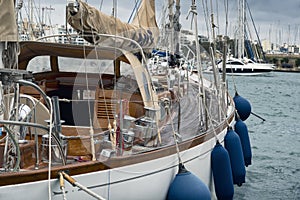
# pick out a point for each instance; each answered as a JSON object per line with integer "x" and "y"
{"x": 245, "y": 67}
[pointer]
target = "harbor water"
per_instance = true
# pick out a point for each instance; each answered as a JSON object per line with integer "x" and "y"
{"x": 275, "y": 170}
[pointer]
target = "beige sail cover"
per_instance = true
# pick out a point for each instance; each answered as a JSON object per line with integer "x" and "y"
{"x": 8, "y": 25}
{"x": 143, "y": 29}
{"x": 145, "y": 16}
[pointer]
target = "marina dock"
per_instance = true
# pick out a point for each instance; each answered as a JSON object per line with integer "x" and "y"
{"x": 285, "y": 62}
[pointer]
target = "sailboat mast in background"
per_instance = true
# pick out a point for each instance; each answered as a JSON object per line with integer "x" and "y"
{"x": 241, "y": 28}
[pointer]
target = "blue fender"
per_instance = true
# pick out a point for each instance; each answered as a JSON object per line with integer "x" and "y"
{"x": 234, "y": 148}
{"x": 241, "y": 129}
{"x": 242, "y": 106}
{"x": 222, "y": 174}
{"x": 187, "y": 186}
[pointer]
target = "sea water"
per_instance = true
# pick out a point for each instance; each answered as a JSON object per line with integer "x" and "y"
{"x": 275, "y": 170}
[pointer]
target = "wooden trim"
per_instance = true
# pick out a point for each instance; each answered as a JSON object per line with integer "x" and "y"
{"x": 117, "y": 66}
{"x": 54, "y": 63}
{"x": 31, "y": 49}
{"x": 42, "y": 174}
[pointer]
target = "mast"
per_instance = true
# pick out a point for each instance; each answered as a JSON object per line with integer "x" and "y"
{"x": 256, "y": 32}
{"x": 174, "y": 26}
{"x": 213, "y": 28}
{"x": 225, "y": 43}
{"x": 171, "y": 24}
{"x": 241, "y": 28}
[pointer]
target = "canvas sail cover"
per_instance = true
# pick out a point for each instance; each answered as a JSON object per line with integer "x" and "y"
{"x": 8, "y": 35}
{"x": 143, "y": 29}
{"x": 8, "y": 25}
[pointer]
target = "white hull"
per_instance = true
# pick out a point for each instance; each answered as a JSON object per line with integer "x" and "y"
{"x": 147, "y": 180}
{"x": 246, "y": 74}
{"x": 239, "y": 68}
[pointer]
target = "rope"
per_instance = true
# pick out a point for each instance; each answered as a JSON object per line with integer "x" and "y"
{"x": 193, "y": 10}
{"x": 90, "y": 115}
{"x": 102, "y": 88}
{"x": 222, "y": 111}
{"x": 211, "y": 122}
{"x": 114, "y": 139}
{"x": 167, "y": 107}
{"x": 89, "y": 103}
{"x": 233, "y": 80}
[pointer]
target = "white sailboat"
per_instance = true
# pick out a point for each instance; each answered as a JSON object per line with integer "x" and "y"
{"x": 91, "y": 121}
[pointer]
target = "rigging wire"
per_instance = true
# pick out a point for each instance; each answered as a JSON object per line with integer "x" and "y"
{"x": 226, "y": 17}
{"x": 101, "y": 4}
{"x": 38, "y": 17}
{"x": 135, "y": 10}
{"x": 211, "y": 122}
{"x": 27, "y": 13}
{"x": 103, "y": 93}
{"x": 89, "y": 103}
{"x": 206, "y": 17}
{"x": 167, "y": 107}
{"x": 193, "y": 10}
{"x": 50, "y": 147}
{"x": 256, "y": 32}
{"x": 35, "y": 14}
{"x": 115, "y": 123}
{"x": 88, "y": 99}
{"x": 218, "y": 22}
{"x": 23, "y": 25}
{"x": 50, "y": 24}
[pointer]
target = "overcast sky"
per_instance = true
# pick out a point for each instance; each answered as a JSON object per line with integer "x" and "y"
{"x": 278, "y": 20}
